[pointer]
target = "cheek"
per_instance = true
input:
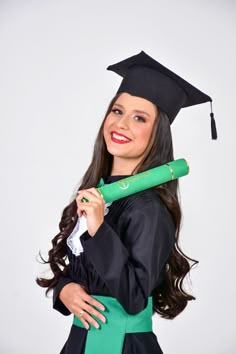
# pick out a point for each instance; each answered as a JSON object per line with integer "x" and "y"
{"x": 144, "y": 134}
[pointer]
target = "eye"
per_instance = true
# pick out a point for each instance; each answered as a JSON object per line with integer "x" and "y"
{"x": 139, "y": 119}
{"x": 116, "y": 111}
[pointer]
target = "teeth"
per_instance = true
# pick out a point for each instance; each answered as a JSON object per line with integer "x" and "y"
{"x": 119, "y": 137}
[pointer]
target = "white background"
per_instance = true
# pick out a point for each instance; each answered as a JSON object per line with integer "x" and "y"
{"x": 54, "y": 91}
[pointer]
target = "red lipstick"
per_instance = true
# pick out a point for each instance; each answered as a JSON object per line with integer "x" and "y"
{"x": 119, "y": 138}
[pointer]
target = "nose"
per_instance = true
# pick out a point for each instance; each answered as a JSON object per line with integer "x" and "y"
{"x": 123, "y": 122}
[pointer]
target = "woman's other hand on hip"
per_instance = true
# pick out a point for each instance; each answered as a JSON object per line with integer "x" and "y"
{"x": 81, "y": 304}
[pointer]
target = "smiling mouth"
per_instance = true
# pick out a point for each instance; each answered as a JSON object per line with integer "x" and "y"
{"x": 118, "y": 138}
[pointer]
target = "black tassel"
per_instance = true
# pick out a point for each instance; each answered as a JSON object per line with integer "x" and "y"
{"x": 213, "y": 125}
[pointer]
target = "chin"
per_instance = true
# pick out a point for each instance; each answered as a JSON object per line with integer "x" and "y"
{"x": 115, "y": 151}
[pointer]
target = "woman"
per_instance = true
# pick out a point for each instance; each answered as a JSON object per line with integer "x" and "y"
{"x": 130, "y": 264}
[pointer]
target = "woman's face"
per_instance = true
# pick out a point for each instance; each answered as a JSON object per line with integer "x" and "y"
{"x": 127, "y": 129}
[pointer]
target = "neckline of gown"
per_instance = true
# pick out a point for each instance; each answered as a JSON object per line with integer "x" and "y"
{"x": 111, "y": 179}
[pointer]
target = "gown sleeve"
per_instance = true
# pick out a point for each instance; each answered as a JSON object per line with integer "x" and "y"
{"x": 57, "y": 303}
{"x": 131, "y": 263}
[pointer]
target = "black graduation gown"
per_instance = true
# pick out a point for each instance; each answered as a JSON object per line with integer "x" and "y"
{"x": 124, "y": 260}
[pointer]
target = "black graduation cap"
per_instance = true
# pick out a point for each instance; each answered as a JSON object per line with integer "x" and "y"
{"x": 145, "y": 77}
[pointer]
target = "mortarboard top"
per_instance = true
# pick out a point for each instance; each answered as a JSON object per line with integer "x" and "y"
{"x": 145, "y": 77}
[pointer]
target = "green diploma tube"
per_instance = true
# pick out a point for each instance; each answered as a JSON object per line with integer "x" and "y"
{"x": 144, "y": 180}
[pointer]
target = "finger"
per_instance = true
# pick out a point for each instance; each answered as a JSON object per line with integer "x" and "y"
{"x": 90, "y": 320}
{"x": 90, "y": 304}
{"x": 90, "y": 195}
{"x": 85, "y": 323}
{"x": 86, "y": 318}
{"x": 80, "y": 315}
{"x": 80, "y": 196}
{"x": 92, "y": 311}
{"x": 95, "y": 192}
{"x": 88, "y": 208}
{"x": 92, "y": 301}
{"x": 79, "y": 212}
{"x": 83, "y": 299}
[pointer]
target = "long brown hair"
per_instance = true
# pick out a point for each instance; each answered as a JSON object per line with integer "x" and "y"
{"x": 170, "y": 298}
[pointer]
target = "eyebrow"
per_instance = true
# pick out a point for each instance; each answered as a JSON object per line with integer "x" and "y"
{"x": 136, "y": 110}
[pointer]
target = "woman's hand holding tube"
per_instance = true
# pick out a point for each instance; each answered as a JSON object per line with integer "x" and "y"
{"x": 78, "y": 302}
{"x": 93, "y": 210}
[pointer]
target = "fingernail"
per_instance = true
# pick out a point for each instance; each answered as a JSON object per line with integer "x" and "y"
{"x": 104, "y": 320}
{"x": 87, "y": 326}
{"x": 97, "y": 325}
{"x": 102, "y": 308}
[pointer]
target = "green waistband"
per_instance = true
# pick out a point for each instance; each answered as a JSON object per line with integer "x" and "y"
{"x": 110, "y": 336}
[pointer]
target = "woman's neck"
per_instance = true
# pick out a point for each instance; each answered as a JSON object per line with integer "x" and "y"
{"x": 122, "y": 167}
